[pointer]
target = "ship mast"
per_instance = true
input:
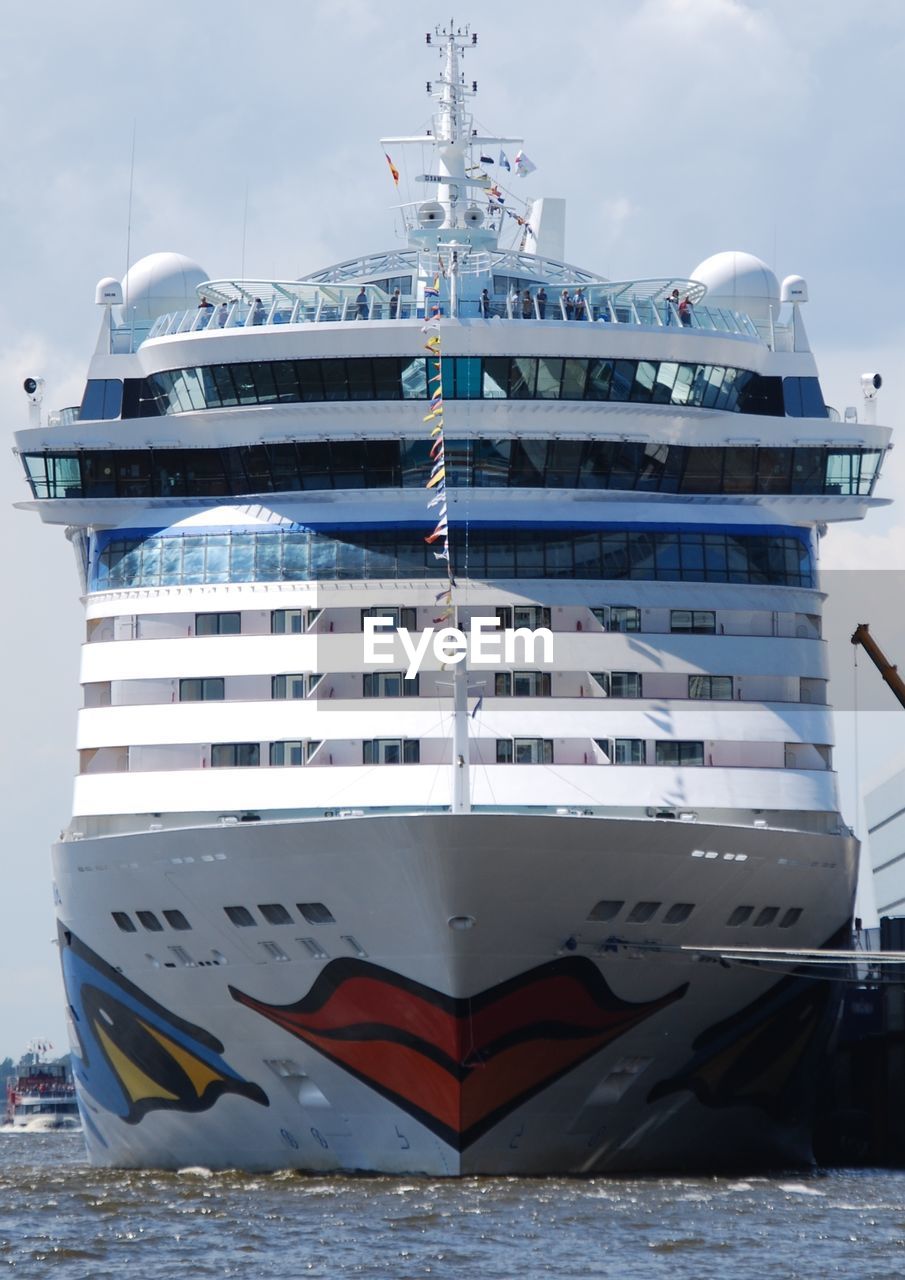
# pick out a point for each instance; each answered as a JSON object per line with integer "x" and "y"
{"x": 452, "y": 124}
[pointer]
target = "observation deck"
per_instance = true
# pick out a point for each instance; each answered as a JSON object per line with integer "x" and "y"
{"x": 259, "y": 304}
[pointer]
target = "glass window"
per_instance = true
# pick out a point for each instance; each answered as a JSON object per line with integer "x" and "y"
{"x": 316, "y": 913}
{"x": 740, "y": 915}
{"x": 287, "y": 753}
{"x": 217, "y": 624}
{"x": 206, "y": 689}
{"x": 678, "y": 913}
{"x": 336, "y": 383}
{"x": 641, "y": 912}
{"x": 504, "y": 751}
{"x": 679, "y": 753}
{"x": 502, "y": 684}
{"x": 625, "y": 684}
{"x": 766, "y": 916}
{"x": 229, "y": 755}
{"x": 391, "y": 751}
{"x": 697, "y": 621}
{"x": 274, "y": 913}
{"x": 176, "y": 920}
{"x": 599, "y": 378}
{"x": 790, "y": 917}
{"x": 414, "y": 378}
{"x": 240, "y": 916}
{"x": 523, "y": 377}
{"x": 622, "y": 379}
{"x": 286, "y": 622}
{"x": 605, "y": 909}
{"x": 149, "y": 921}
{"x": 718, "y": 688}
{"x": 574, "y": 378}
{"x": 532, "y": 751}
{"x": 287, "y": 687}
{"x": 124, "y": 921}
{"x": 531, "y": 684}
{"x": 625, "y": 618}
{"x": 549, "y": 378}
{"x": 628, "y": 751}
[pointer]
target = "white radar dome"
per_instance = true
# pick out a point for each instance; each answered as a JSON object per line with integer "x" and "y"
{"x": 109, "y": 292}
{"x": 740, "y": 282}
{"x": 159, "y": 283}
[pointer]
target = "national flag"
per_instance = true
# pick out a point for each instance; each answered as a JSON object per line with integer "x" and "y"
{"x": 393, "y": 170}
{"x": 503, "y": 161}
{"x": 523, "y": 166}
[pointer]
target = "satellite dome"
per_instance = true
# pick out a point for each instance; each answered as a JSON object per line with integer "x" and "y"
{"x": 159, "y": 283}
{"x": 740, "y": 282}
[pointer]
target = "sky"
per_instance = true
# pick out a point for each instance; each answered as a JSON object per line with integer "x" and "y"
{"x": 675, "y": 129}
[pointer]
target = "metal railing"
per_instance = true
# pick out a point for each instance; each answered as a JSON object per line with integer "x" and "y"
{"x": 591, "y": 306}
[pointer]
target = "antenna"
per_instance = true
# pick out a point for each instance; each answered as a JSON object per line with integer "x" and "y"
{"x": 129, "y": 214}
{"x": 244, "y": 230}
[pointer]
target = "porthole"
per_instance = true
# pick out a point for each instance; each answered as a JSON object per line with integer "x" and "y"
{"x": 641, "y": 912}
{"x": 240, "y": 916}
{"x": 766, "y": 916}
{"x": 792, "y": 916}
{"x": 678, "y": 913}
{"x": 605, "y": 909}
{"x": 316, "y": 912}
{"x": 274, "y": 913}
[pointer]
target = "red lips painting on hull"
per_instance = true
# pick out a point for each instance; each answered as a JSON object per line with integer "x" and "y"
{"x": 459, "y": 1065}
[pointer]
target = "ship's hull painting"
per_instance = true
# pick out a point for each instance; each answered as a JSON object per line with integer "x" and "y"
{"x": 134, "y": 1056}
{"x": 459, "y": 1065}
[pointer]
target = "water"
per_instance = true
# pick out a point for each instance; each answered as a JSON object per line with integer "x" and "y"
{"x": 61, "y": 1219}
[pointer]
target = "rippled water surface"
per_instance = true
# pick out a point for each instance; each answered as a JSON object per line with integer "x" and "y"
{"x": 60, "y": 1218}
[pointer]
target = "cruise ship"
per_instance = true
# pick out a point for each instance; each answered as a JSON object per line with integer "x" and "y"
{"x": 326, "y": 906}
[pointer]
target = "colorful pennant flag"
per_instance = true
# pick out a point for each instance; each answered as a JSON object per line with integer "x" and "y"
{"x": 504, "y": 162}
{"x": 523, "y": 166}
{"x": 393, "y": 170}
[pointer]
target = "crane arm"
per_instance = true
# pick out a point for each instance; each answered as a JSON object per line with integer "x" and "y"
{"x": 886, "y": 669}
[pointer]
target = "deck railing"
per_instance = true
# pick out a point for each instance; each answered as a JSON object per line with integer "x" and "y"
{"x": 591, "y": 306}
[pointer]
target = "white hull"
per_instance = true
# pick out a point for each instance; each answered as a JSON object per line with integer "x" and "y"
{"x": 532, "y": 1042}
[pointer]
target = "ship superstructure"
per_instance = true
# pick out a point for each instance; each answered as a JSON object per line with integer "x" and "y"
{"x": 326, "y": 913}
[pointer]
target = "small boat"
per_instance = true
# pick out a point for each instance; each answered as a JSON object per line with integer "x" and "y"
{"x": 41, "y": 1094}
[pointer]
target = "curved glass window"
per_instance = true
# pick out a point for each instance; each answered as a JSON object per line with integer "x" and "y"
{"x": 476, "y": 463}
{"x": 694, "y": 386}
{"x": 591, "y": 552}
